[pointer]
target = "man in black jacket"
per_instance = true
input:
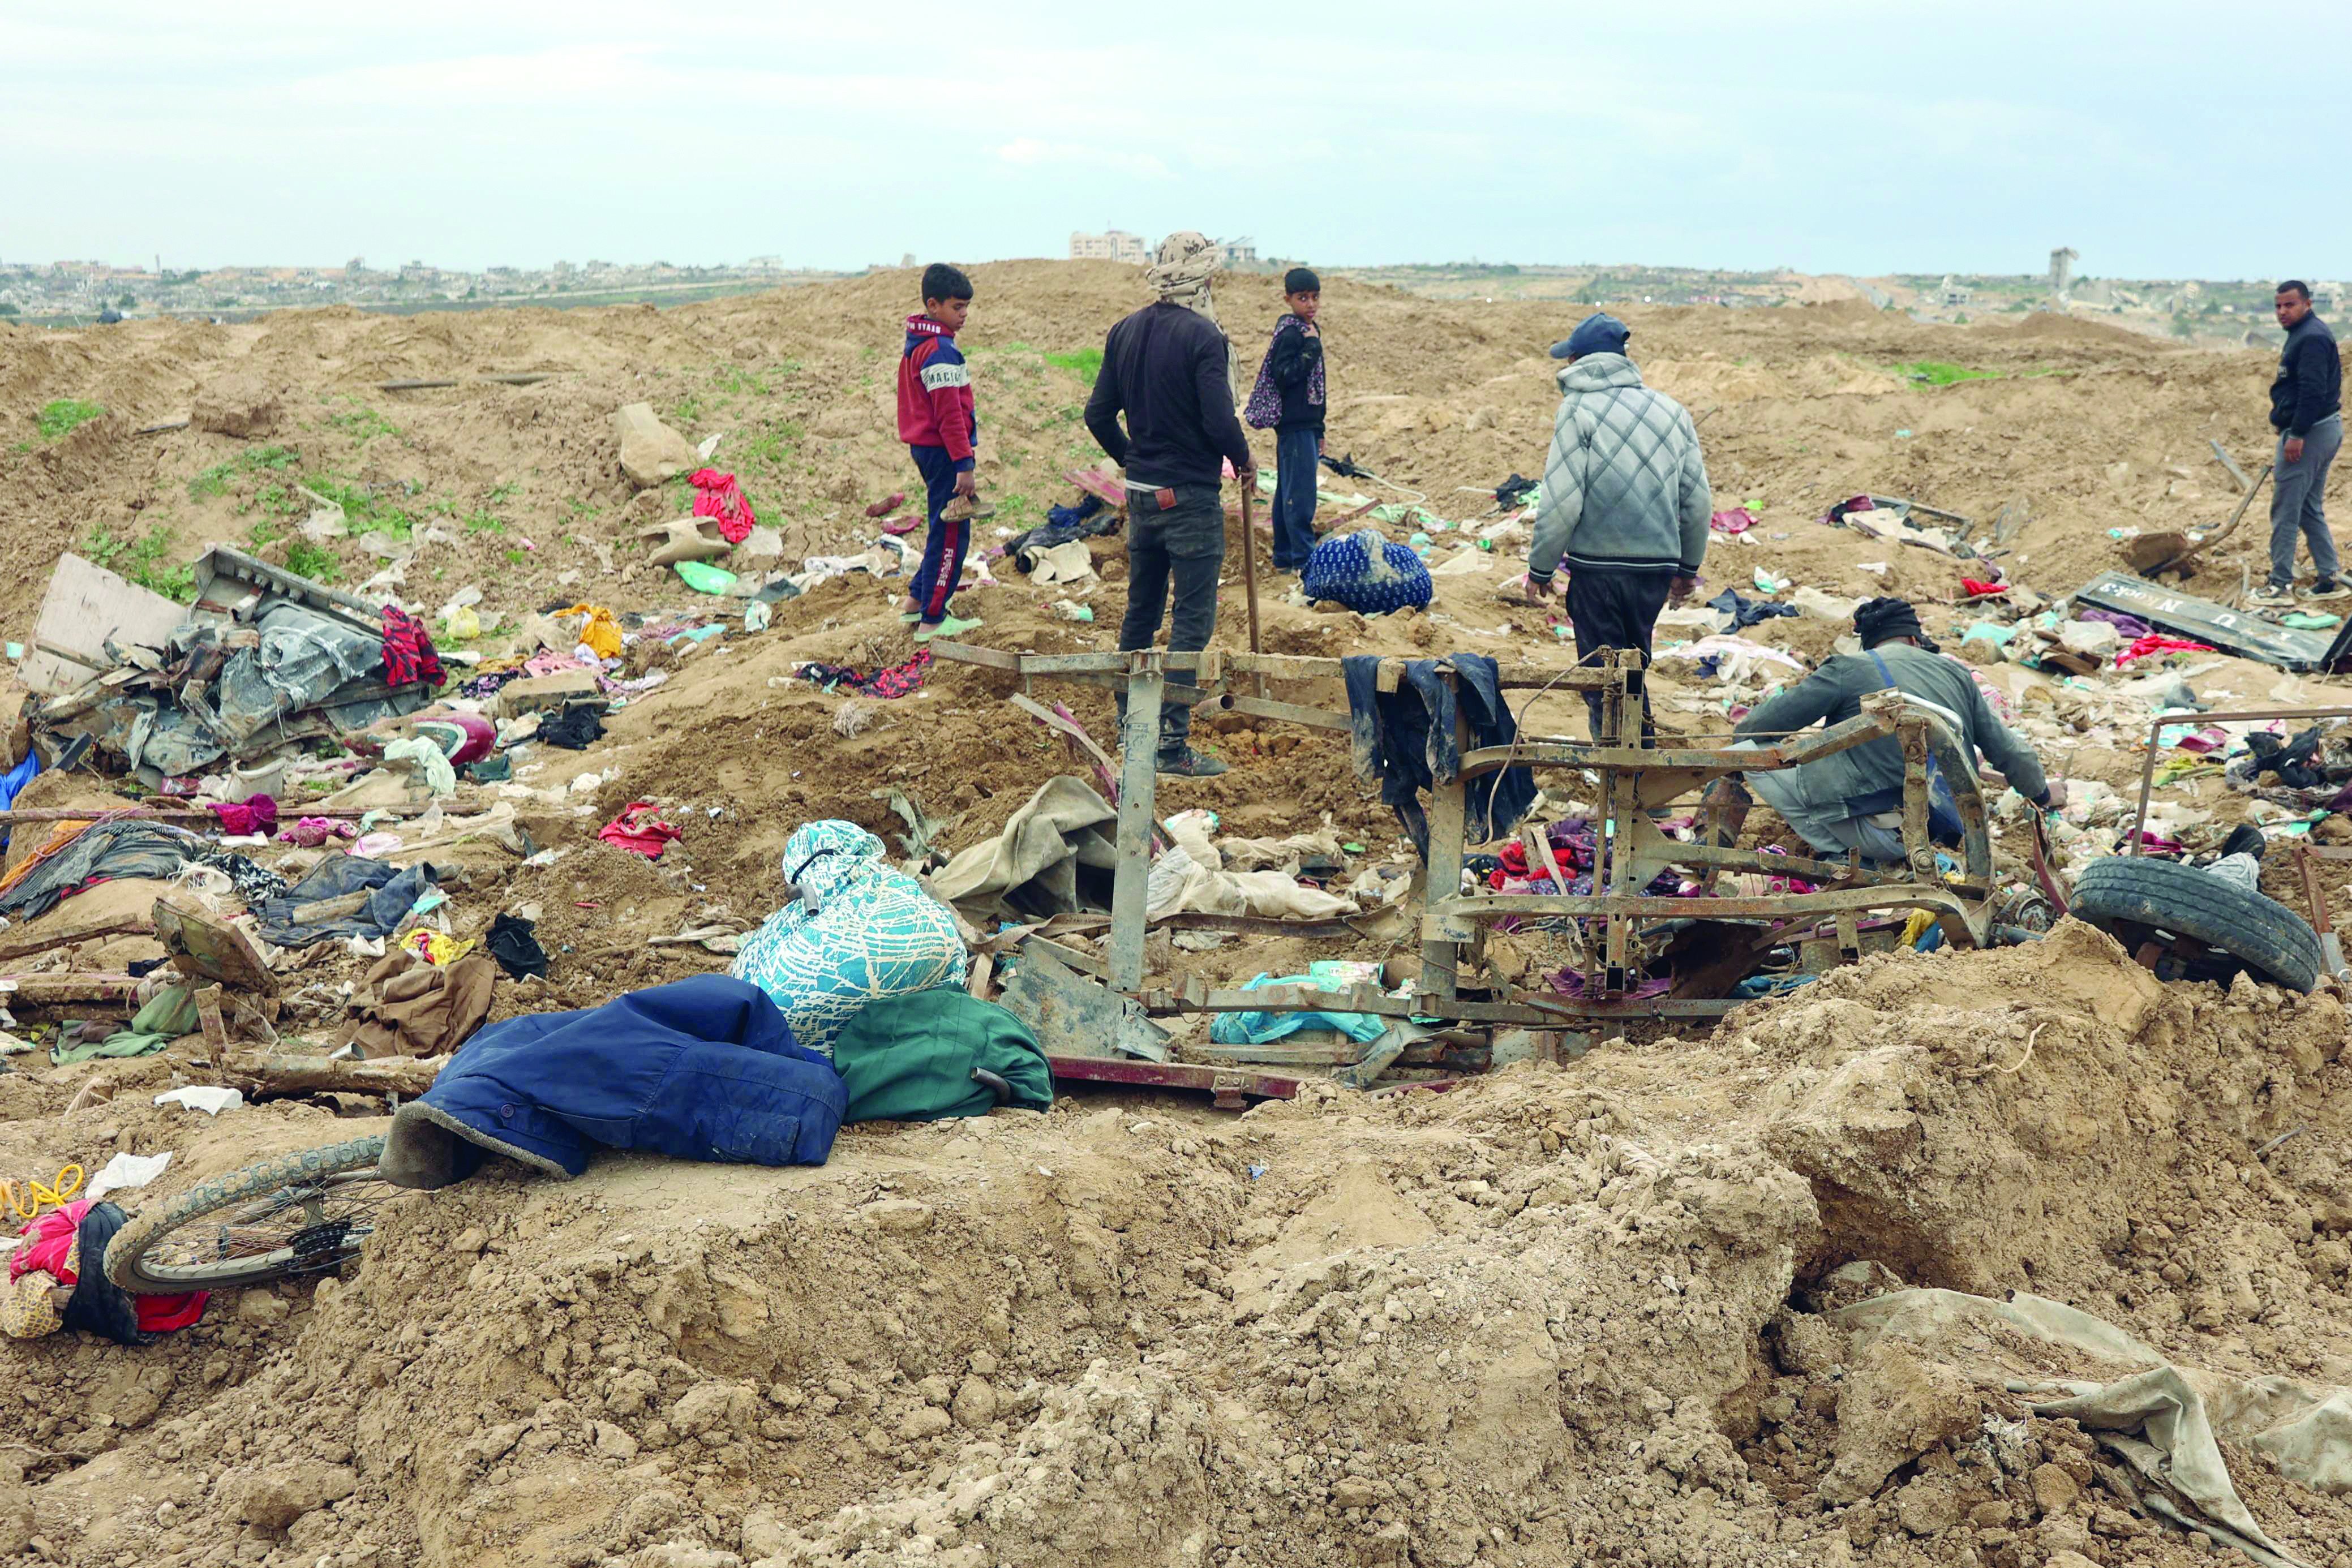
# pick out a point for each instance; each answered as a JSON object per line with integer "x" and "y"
{"x": 1168, "y": 369}
{"x": 2306, "y": 410}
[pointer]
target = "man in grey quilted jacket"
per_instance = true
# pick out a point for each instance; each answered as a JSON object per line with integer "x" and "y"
{"x": 1625, "y": 502}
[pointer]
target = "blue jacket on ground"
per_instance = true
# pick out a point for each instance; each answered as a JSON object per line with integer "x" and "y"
{"x": 704, "y": 1068}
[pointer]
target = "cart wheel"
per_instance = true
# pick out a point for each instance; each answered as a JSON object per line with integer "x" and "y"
{"x": 2131, "y": 896}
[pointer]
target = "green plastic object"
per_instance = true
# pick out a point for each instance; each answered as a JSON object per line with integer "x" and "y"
{"x": 704, "y": 578}
{"x": 2308, "y": 619}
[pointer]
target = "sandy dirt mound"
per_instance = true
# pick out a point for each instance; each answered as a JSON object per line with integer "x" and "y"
{"x": 1568, "y": 1314}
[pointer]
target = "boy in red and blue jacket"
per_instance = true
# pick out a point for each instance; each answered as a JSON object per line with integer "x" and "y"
{"x": 935, "y": 421}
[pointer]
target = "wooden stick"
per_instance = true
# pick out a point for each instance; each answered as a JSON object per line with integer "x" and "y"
{"x": 42, "y": 941}
{"x": 269, "y": 1072}
{"x": 1249, "y": 573}
{"x": 2221, "y": 456}
{"x": 2227, "y": 528}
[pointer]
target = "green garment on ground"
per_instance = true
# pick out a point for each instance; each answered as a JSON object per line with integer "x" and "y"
{"x": 910, "y": 1057}
{"x": 168, "y": 1015}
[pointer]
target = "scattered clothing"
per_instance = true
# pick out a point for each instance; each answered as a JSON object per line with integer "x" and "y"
{"x": 599, "y": 633}
{"x": 895, "y": 681}
{"x": 2157, "y": 643}
{"x": 1369, "y": 573}
{"x": 1745, "y": 613}
{"x": 857, "y": 932}
{"x": 254, "y": 814}
{"x": 579, "y": 727}
{"x": 463, "y": 737}
{"x": 1976, "y": 590}
{"x": 165, "y": 1017}
{"x": 1258, "y": 1028}
{"x": 67, "y": 1245}
{"x": 705, "y": 1069}
{"x": 929, "y": 1055}
{"x": 640, "y": 830}
{"x": 11, "y": 783}
{"x": 1624, "y": 487}
{"x": 1056, "y": 855}
{"x": 510, "y": 942}
{"x": 426, "y": 760}
{"x": 392, "y": 892}
{"x": 408, "y": 652}
{"x": 254, "y": 883}
{"x": 434, "y": 946}
{"x": 718, "y": 495}
{"x": 78, "y": 853}
{"x": 2131, "y": 626}
{"x": 1736, "y": 520}
{"x": 412, "y": 1005}
{"x": 1404, "y": 741}
{"x": 1090, "y": 518}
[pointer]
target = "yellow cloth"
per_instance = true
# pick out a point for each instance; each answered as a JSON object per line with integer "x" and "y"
{"x": 435, "y": 947}
{"x": 601, "y": 632}
{"x": 1916, "y": 926}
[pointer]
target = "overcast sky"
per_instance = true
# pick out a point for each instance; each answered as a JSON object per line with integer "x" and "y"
{"x": 2159, "y": 138}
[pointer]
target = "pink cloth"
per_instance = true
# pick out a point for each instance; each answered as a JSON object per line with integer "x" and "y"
{"x": 548, "y": 662}
{"x": 1737, "y": 521}
{"x": 2159, "y": 643}
{"x": 256, "y": 815}
{"x": 310, "y": 832}
{"x": 49, "y": 1241}
{"x": 720, "y": 497}
{"x": 640, "y": 829}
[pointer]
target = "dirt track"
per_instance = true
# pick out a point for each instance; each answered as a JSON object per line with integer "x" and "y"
{"x": 1568, "y": 1314}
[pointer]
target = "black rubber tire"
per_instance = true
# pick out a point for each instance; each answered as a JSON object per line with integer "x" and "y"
{"x": 2264, "y": 934}
{"x": 126, "y": 1254}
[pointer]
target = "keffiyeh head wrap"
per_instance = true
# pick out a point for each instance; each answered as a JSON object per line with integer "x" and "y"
{"x": 1182, "y": 274}
{"x": 822, "y": 858}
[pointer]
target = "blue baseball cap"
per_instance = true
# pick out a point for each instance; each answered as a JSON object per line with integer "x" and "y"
{"x": 1599, "y": 333}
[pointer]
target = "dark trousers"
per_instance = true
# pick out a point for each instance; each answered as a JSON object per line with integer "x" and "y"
{"x": 1614, "y": 610}
{"x": 943, "y": 547}
{"x": 1179, "y": 546}
{"x": 1294, "y": 498}
{"x": 2297, "y": 490}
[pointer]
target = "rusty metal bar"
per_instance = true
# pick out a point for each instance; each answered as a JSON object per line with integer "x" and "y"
{"x": 1448, "y": 813}
{"x": 1779, "y": 905}
{"x": 1288, "y": 712}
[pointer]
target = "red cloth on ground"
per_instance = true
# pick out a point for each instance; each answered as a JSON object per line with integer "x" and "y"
{"x": 638, "y": 829}
{"x": 256, "y": 815}
{"x": 717, "y": 494}
{"x": 2157, "y": 642}
{"x": 51, "y": 1238}
{"x": 408, "y": 654}
{"x": 1983, "y": 589}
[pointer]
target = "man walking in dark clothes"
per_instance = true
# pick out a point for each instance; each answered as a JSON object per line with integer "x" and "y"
{"x": 1168, "y": 369}
{"x": 2306, "y": 402}
{"x": 1625, "y": 501}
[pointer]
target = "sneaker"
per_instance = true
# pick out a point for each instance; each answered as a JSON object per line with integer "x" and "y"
{"x": 953, "y": 627}
{"x": 1188, "y": 763}
{"x": 2245, "y": 839}
{"x": 2273, "y": 596}
{"x": 2326, "y": 590}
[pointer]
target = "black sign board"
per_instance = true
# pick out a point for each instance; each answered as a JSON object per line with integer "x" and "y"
{"x": 2238, "y": 632}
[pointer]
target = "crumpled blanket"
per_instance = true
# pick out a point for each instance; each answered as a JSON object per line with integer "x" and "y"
{"x": 1368, "y": 572}
{"x": 391, "y": 892}
{"x": 1057, "y": 855}
{"x": 78, "y": 853}
{"x": 641, "y": 829}
{"x": 254, "y": 814}
{"x": 408, "y": 652}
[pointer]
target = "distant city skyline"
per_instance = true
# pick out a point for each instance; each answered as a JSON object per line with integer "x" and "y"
{"x": 1829, "y": 136}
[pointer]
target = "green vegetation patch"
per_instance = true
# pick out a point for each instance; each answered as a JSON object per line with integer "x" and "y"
{"x": 316, "y": 562}
{"x": 217, "y": 479}
{"x": 1943, "y": 373}
{"x": 1086, "y": 362}
{"x": 140, "y": 558}
{"x": 57, "y": 418}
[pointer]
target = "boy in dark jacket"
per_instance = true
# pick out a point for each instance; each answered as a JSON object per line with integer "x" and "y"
{"x": 937, "y": 422}
{"x": 1289, "y": 398}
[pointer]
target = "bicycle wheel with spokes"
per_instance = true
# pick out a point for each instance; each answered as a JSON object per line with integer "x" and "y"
{"x": 299, "y": 1214}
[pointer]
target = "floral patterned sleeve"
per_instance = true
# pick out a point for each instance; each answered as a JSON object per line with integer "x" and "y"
{"x": 28, "y": 1306}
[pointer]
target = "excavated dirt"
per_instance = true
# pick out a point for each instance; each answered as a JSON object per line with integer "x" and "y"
{"x": 1563, "y": 1314}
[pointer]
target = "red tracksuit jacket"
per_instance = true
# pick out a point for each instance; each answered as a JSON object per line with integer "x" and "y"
{"x": 935, "y": 392}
